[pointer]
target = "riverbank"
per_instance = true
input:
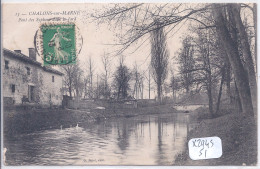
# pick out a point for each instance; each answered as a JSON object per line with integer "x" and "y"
{"x": 238, "y": 135}
{"x": 21, "y": 119}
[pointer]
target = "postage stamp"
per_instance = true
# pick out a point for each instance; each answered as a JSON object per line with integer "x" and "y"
{"x": 58, "y": 43}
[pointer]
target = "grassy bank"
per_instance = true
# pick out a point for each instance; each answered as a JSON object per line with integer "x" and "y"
{"x": 20, "y": 120}
{"x": 238, "y": 135}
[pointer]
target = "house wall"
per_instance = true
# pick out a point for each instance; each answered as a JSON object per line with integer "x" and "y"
{"x": 50, "y": 91}
{"x": 17, "y": 75}
{"x": 40, "y": 79}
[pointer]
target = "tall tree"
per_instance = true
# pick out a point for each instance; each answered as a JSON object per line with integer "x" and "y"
{"x": 245, "y": 50}
{"x": 159, "y": 59}
{"x": 186, "y": 61}
{"x": 220, "y": 88}
{"x": 203, "y": 64}
{"x": 105, "y": 76}
{"x": 205, "y": 49}
{"x": 90, "y": 69}
{"x": 255, "y": 28}
{"x": 231, "y": 49}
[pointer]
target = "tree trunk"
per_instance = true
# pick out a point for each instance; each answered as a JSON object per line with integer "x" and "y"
{"x": 159, "y": 93}
{"x": 255, "y": 28}
{"x": 228, "y": 80}
{"x": 246, "y": 52}
{"x": 220, "y": 89}
{"x": 106, "y": 90}
{"x": 240, "y": 74}
{"x": 77, "y": 98}
{"x": 149, "y": 85}
{"x": 173, "y": 94}
{"x": 210, "y": 102}
{"x": 70, "y": 87}
{"x": 237, "y": 99}
{"x": 142, "y": 91}
{"x": 119, "y": 91}
{"x": 209, "y": 91}
{"x": 70, "y": 92}
{"x": 91, "y": 87}
{"x": 97, "y": 89}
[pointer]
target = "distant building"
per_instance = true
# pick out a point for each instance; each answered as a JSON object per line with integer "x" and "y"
{"x": 26, "y": 80}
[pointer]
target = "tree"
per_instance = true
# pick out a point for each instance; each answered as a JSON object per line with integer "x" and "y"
{"x": 104, "y": 90}
{"x": 220, "y": 88}
{"x": 164, "y": 15}
{"x": 159, "y": 59}
{"x": 204, "y": 49}
{"x": 138, "y": 86}
{"x": 173, "y": 85}
{"x": 141, "y": 19}
{"x": 147, "y": 76}
{"x": 122, "y": 76}
{"x": 67, "y": 78}
{"x": 106, "y": 65}
{"x": 249, "y": 65}
{"x": 78, "y": 81}
{"x": 97, "y": 89}
{"x": 253, "y": 8}
{"x": 186, "y": 62}
{"x": 255, "y": 28}
{"x": 90, "y": 70}
{"x": 71, "y": 78}
{"x": 231, "y": 49}
{"x": 149, "y": 80}
{"x": 200, "y": 63}
{"x": 86, "y": 82}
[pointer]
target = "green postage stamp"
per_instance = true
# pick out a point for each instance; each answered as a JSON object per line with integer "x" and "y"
{"x": 59, "y": 47}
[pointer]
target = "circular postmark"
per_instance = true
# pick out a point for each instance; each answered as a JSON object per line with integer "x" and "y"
{"x": 58, "y": 43}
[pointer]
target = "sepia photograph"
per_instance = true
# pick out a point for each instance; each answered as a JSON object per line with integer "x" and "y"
{"x": 129, "y": 84}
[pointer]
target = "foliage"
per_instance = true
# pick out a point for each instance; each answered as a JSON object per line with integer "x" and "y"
{"x": 159, "y": 59}
{"x": 122, "y": 77}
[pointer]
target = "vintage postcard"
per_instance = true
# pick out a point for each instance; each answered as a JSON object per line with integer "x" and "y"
{"x": 158, "y": 84}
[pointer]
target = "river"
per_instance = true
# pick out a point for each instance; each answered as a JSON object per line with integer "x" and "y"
{"x": 138, "y": 140}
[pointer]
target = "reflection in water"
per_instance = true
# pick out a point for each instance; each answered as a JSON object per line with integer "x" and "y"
{"x": 140, "y": 140}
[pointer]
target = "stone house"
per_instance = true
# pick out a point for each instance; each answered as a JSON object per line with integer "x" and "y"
{"x": 26, "y": 80}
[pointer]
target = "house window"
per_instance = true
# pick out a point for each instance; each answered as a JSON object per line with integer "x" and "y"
{"x": 6, "y": 64}
{"x": 30, "y": 93}
{"x": 28, "y": 70}
{"x": 13, "y": 88}
{"x": 52, "y": 78}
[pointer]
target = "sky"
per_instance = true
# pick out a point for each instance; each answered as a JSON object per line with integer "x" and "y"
{"x": 18, "y": 34}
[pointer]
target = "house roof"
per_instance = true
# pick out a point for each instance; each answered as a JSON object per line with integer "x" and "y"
{"x": 29, "y": 60}
{"x": 48, "y": 69}
{"x": 21, "y": 56}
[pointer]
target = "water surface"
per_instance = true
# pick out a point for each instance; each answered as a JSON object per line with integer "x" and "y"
{"x": 139, "y": 140}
